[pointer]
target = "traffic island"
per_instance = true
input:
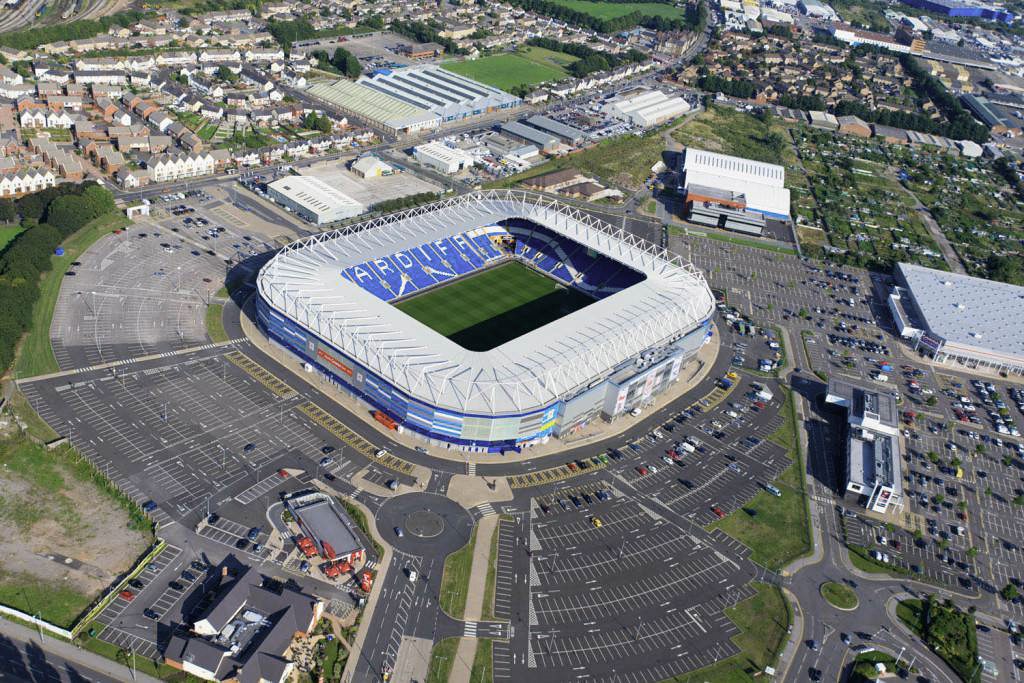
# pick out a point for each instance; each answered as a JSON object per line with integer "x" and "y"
{"x": 839, "y": 596}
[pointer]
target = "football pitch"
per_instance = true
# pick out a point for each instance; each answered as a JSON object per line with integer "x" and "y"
{"x": 483, "y": 311}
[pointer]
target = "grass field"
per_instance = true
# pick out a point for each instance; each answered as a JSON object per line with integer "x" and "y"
{"x": 839, "y": 595}
{"x": 483, "y": 311}
{"x": 776, "y": 529}
{"x": 215, "y": 323}
{"x": 442, "y": 659}
{"x": 614, "y": 10}
{"x": 507, "y": 71}
{"x": 763, "y": 621}
{"x": 455, "y": 580}
{"x": 35, "y": 356}
{"x": 483, "y": 662}
{"x": 8, "y": 233}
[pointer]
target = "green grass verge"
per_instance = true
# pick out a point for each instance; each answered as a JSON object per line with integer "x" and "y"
{"x": 35, "y": 426}
{"x": 8, "y": 233}
{"x": 763, "y": 621}
{"x": 490, "y": 581}
{"x": 776, "y": 529}
{"x": 483, "y": 662}
{"x": 442, "y": 659}
{"x": 610, "y": 10}
{"x": 506, "y": 71}
{"x": 35, "y": 355}
{"x": 497, "y": 305}
{"x": 839, "y": 595}
{"x": 359, "y": 518}
{"x": 747, "y": 242}
{"x": 215, "y": 323}
{"x": 57, "y": 604}
{"x": 455, "y": 580}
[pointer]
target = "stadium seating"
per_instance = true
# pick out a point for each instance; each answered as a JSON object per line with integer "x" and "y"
{"x": 406, "y": 272}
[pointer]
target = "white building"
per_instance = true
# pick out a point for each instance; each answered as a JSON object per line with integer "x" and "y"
{"x": 873, "y": 464}
{"x": 818, "y": 10}
{"x": 646, "y": 108}
{"x": 370, "y": 167}
{"x": 749, "y": 185}
{"x": 26, "y": 182}
{"x": 313, "y": 199}
{"x": 167, "y": 167}
{"x": 443, "y": 158}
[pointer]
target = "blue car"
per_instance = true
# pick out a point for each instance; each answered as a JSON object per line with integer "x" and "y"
{"x": 149, "y": 506}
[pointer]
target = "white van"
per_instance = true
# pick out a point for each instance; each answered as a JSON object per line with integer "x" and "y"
{"x": 773, "y": 490}
{"x": 880, "y": 377}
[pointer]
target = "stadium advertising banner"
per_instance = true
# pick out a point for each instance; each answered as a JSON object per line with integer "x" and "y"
{"x": 323, "y": 355}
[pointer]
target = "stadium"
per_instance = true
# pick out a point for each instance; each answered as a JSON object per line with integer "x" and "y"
{"x": 488, "y": 322}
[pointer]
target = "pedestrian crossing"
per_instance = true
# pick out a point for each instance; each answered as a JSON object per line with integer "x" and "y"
{"x": 485, "y": 510}
{"x": 469, "y": 629}
{"x": 471, "y": 469}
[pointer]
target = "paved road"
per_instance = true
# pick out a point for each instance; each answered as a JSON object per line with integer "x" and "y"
{"x": 26, "y": 657}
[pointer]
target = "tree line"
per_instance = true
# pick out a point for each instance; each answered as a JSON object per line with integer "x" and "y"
{"x": 31, "y": 38}
{"x": 407, "y": 202}
{"x": 47, "y": 217}
{"x": 589, "y": 60}
{"x": 727, "y": 86}
{"x": 695, "y": 17}
{"x": 343, "y": 61}
{"x": 960, "y": 124}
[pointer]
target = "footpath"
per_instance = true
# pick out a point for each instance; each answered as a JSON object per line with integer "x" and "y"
{"x": 466, "y": 652}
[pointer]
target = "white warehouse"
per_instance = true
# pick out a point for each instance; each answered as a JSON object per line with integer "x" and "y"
{"x": 735, "y": 182}
{"x": 313, "y": 199}
{"x": 646, "y": 108}
{"x": 441, "y": 157}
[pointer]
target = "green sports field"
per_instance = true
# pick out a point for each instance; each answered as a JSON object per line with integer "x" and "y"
{"x": 486, "y": 310}
{"x": 506, "y": 71}
{"x": 614, "y": 10}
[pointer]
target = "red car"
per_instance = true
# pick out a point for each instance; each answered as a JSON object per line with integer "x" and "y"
{"x": 282, "y": 473}
{"x": 642, "y": 470}
{"x": 573, "y": 466}
{"x": 127, "y": 595}
{"x": 718, "y": 511}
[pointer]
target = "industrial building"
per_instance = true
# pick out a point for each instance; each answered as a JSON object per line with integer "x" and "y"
{"x": 441, "y": 157}
{"x": 546, "y": 142}
{"x": 313, "y": 199}
{"x": 873, "y": 459}
{"x": 566, "y": 133}
{"x": 732, "y": 192}
{"x": 445, "y": 94}
{"x": 951, "y": 8}
{"x": 958, "y": 318}
{"x": 993, "y": 116}
{"x": 370, "y": 166}
{"x": 374, "y": 108}
{"x": 646, "y": 108}
{"x": 818, "y": 10}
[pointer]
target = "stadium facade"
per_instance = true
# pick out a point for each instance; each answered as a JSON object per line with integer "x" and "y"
{"x": 328, "y": 300}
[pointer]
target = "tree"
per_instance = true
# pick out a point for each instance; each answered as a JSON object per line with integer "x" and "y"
{"x": 345, "y": 62}
{"x": 227, "y": 75}
{"x": 988, "y": 490}
{"x": 931, "y": 401}
{"x": 972, "y": 552}
{"x": 1009, "y": 592}
{"x": 1018, "y": 500}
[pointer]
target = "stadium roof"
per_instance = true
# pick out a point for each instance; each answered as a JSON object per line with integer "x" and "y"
{"x": 968, "y": 311}
{"x": 377, "y": 107}
{"x": 304, "y": 282}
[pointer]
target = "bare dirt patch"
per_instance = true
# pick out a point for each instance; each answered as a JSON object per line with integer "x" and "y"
{"x": 63, "y": 539}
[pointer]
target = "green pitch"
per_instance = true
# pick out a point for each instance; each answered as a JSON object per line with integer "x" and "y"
{"x": 483, "y": 311}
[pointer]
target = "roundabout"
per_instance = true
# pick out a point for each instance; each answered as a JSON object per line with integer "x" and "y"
{"x": 430, "y": 524}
